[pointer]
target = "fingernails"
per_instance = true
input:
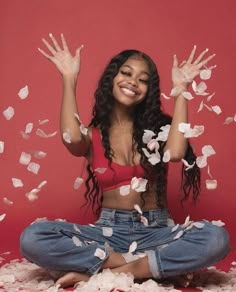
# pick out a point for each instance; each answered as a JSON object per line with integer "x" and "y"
{"x": 50, "y": 34}
{"x": 206, "y": 49}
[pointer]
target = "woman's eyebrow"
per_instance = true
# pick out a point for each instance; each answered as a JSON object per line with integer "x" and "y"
{"x": 130, "y": 67}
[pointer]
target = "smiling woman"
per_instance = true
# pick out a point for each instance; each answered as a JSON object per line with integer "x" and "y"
{"x": 128, "y": 155}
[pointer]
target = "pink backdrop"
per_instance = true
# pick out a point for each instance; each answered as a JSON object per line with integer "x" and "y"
{"x": 160, "y": 28}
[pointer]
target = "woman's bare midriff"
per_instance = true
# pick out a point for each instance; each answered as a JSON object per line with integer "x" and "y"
{"x": 112, "y": 199}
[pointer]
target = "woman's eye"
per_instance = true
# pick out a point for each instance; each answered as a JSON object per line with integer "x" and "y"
{"x": 143, "y": 81}
{"x": 125, "y": 73}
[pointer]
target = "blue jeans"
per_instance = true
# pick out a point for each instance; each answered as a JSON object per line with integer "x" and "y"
{"x": 171, "y": 249}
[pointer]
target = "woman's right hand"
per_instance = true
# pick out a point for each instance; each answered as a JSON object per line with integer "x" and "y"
{"x": 67, "y": 64}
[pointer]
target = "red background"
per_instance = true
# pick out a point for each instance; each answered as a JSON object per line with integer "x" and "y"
{"x": 159, "y": 28}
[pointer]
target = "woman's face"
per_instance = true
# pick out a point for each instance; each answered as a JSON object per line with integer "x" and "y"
{"x": 130, "y": 85}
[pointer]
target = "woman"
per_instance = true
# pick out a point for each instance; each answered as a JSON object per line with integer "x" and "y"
{"x": 128, "y": 145}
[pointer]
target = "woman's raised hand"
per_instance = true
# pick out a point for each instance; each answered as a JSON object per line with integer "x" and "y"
{"x": 61, "y": 57}
{"x": 184, "y": 74}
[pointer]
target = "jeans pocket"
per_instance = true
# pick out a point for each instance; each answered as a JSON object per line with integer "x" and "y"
{"x": 104, "y": 222}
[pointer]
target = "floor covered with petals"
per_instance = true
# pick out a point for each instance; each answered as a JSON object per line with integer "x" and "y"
{"x": 20, "y": 275}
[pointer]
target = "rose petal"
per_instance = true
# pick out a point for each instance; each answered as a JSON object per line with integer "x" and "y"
{"x": 208, "y": 150}
{"x": 83, "y": 130}
{"x": 137, "y": 208}
{"x": 39, "y": 154}
{"x": 154, "y": 158}
{"x": 201, "y": 161}
{"x": 199, "y": 225}
{"x": 99, "y": 253}
{"x": 216, "y": 109}
{"x": 2, "y": 217}
{"x": 25, "y": 158}
{"x": 29, "y": 128}
{"x": 42, "y": 122}
{"x": 179, "y": 234}
{"x": 133, "y": 247}
{"x": 77, "y": 241}
{"x": 205, "y": 74}
{"x": 228, "y": 120}
{"x": 78, "y": 182}
{"x": 6, "y": 201}
{"x": 187, "y": 95}
{"x": 144, "y": 220}
{"x": 107, "y": 231}
{"x": 163, "y": 134}
{"x": 124, "y": 190}
{"x": 1, "y": 146}
{"x": 33, "y": 167}
{"x": 66, "y": 136}
{"x": 165, "y": 96}
{"x": 24, "y": 92}
{"x": 211, "y": 184}
{"x": 218, "y": 223}
{"x": 188, "y": 166}
{"x": 100, "y": 170}
{"x": 41, "y": 134}
{"x": 139, "y": 184}
{"x": 17, "y": 183}
{"x": 200, "y": 106}
{"x": 42, "y": 184}
{"x": 9, "y": 113}
{"x": 147, "y": 136}
{"x": 166, "y": 156}
{"x": 210, "y": 96}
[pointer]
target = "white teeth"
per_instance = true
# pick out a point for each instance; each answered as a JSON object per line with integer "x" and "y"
{"x": 128, "y": 91}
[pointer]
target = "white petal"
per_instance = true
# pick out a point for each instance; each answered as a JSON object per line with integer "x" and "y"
{"x": 17, "y": 182}
{"x": 200, "y": 88}
{"x": 163, "y": 134}
{"x": 41, "y": 134}
{"x": 133, "y": 246}
{"x": 144, "y": 220}
{"x": 199, "y": 225}
{"x": 77, "y": 117}
{"x": 205, "y": 74}
{"x": 208, "y": 107}
{"x": 32, "y": 195}
{"x": 146, "y": 153}
{"x": 137, "y": 208}
{"x": 76, "y": 241}
{"x": 42, "y": 122}
{"x": 66, "y": 136}
{"x": 78, "y": 182}
{"x": 183, "y": 127}
{"x": 165, "y": 96}
{"x": 43, "y": 183}
{"x": 210, "y": 96}
{"x": 39, "y": 154}
{"x": 100, "y": 253}
{"x": 211, "y": 184}
{"x": 175, "y": 228}
{"x": 76, "y": 228}
{"x": 188, "y": 166}
{"x": 147, "y": 136}
{"x": 29, "y": 128}
{"x": 166, "y": 156}
{"x": 228, "y": 120}
{"x": 83, "y": 130}
{"x": 200, "y": 106}
{"x": 154, "y": 158}
{"x": 25, "y": 158}
{"x": 6, "y": 201}
{"x": 2, "y": 217}
{"x": 24, "y": 136}
{"x": 179, "y": 234}
{"x": 175, "y": 91}
{"x": 152, "y": 144}
{"x": 9, "y": 113}
{"x": 24, "y": 92}
{"x": 195, "y": 132}
{"x": 139, "y": 184}
{"x": 1, "y": 146}
{"x": 201, "y": 161}
{"x": 208, "y": 150}
{"x": 134, "y": 183}
{"x": 216, "y": 109}
{"x": 100, "y": 170}
{"x": 107, "y": 231}
{"x": 187, "y": 95}
{"x": 218, "y": 223}
{"x": 208, "y": 171}
{"x": 124, "y": 190}
{"x": 33, "y": 167}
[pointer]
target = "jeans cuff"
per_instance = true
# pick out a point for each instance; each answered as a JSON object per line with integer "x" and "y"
{"x": 153, "y": 266}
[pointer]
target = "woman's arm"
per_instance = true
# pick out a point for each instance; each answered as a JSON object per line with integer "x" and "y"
{"x": 68, "y": 66}
{"x": 182, "y": 76}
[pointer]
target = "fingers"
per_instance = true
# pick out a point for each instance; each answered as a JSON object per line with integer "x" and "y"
{"x": 204, "y": 62}
{"x": 175, "y": 61}
{"x": 64, "y": 43}
{"x": 77, "y": 53}
{"x": 54, "y": 42}
{"x": 199, "y": 58}
{"x": 191, "y": 56}
{"x": 50, "y": 48}
{"x": 44, "y": 54}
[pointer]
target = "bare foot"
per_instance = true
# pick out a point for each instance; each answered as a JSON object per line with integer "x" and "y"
{"x": 71, "y": 278}
{"x": 179, "y": 281}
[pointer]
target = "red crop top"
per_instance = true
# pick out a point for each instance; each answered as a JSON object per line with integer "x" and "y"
{"x": 116, "y": 176}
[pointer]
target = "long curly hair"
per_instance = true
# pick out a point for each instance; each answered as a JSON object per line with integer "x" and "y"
{"x": 146, "y": 115}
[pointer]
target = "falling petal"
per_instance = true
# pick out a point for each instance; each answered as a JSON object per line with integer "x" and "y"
{"x": 165, "y": 96}
{"x": 207, "y": 107}
{"x": 187, "y": 95}
{"x": 218, "y": 223}
{"x": 32, "y": 195}
{"x": 78, "y": 182}
{"x": 133, "y": 246}
{"x": 179, "y": 234}
{"x": 6, "y": 201}
{"x": 24, "y": 136}
{"x": 99, "y": 253}
{"x": 43, "y": 183}
{"x": 139, "y": 184}
{"x": 17, "y": 183}
{"x": 201, "y": 161}
{"x": 41, "y": 134}
{"x": 2, "y": 217}
{"x": 208, "y": 150}
{"x": 200, "y": 106}
{"x": 175, "y": 228}
{"x": 83, "y": 130}
{"x": 183, "y": 127}
{"x": 146, "y": 153}
{"x": 137, "y": 208}
{"x": 76, "y": 241}
{"x": 33, "y": 167}
{"x": 29, "y": 128}
{"x": 175, "y": 91}
{"x": 66, "y": 136}
{"x": 166, "y": 156}
{"x": 210, "y": 96}
{"x": 1, "y": 146}
{"x": 188, "y": 166}
{"x": 163, "y": 134}
{"x": 129, "y": 257}
{"x": 228, "y": 120}
{"x": 154, "y": 158}
{"x": 24, "y": 92}
{"x": 211, "y": 184}
{"x": 76, "y": 228}
{"x": 9, "y": 113}
{"x": 233, "y": 263}
{"x": 77, "y": 117}
{"x": 25, "y": 158}
{"x": 199, "y": 225}
{"x": 42, "y": 122}
{"x": 124, "y": 190}
{"x": 100, "y": 170}
{"x": 39, "y": 154}
{"x": 208, "y": 171}
{"x": 216, "y": 109}
{"x": 147, "y": 136}
{"x": 205, "y": 74}
{"x": 144, "y": 220}
{"x": 199, "y": 89}
{"x": 153, "y": 144}
{"x": 107, "y": 231}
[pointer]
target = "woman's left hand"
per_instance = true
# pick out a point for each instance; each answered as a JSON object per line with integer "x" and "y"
{"x": 184, "y": 74}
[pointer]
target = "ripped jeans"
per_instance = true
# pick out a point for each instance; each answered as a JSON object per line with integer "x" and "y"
{"x": 171, "y": 249}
